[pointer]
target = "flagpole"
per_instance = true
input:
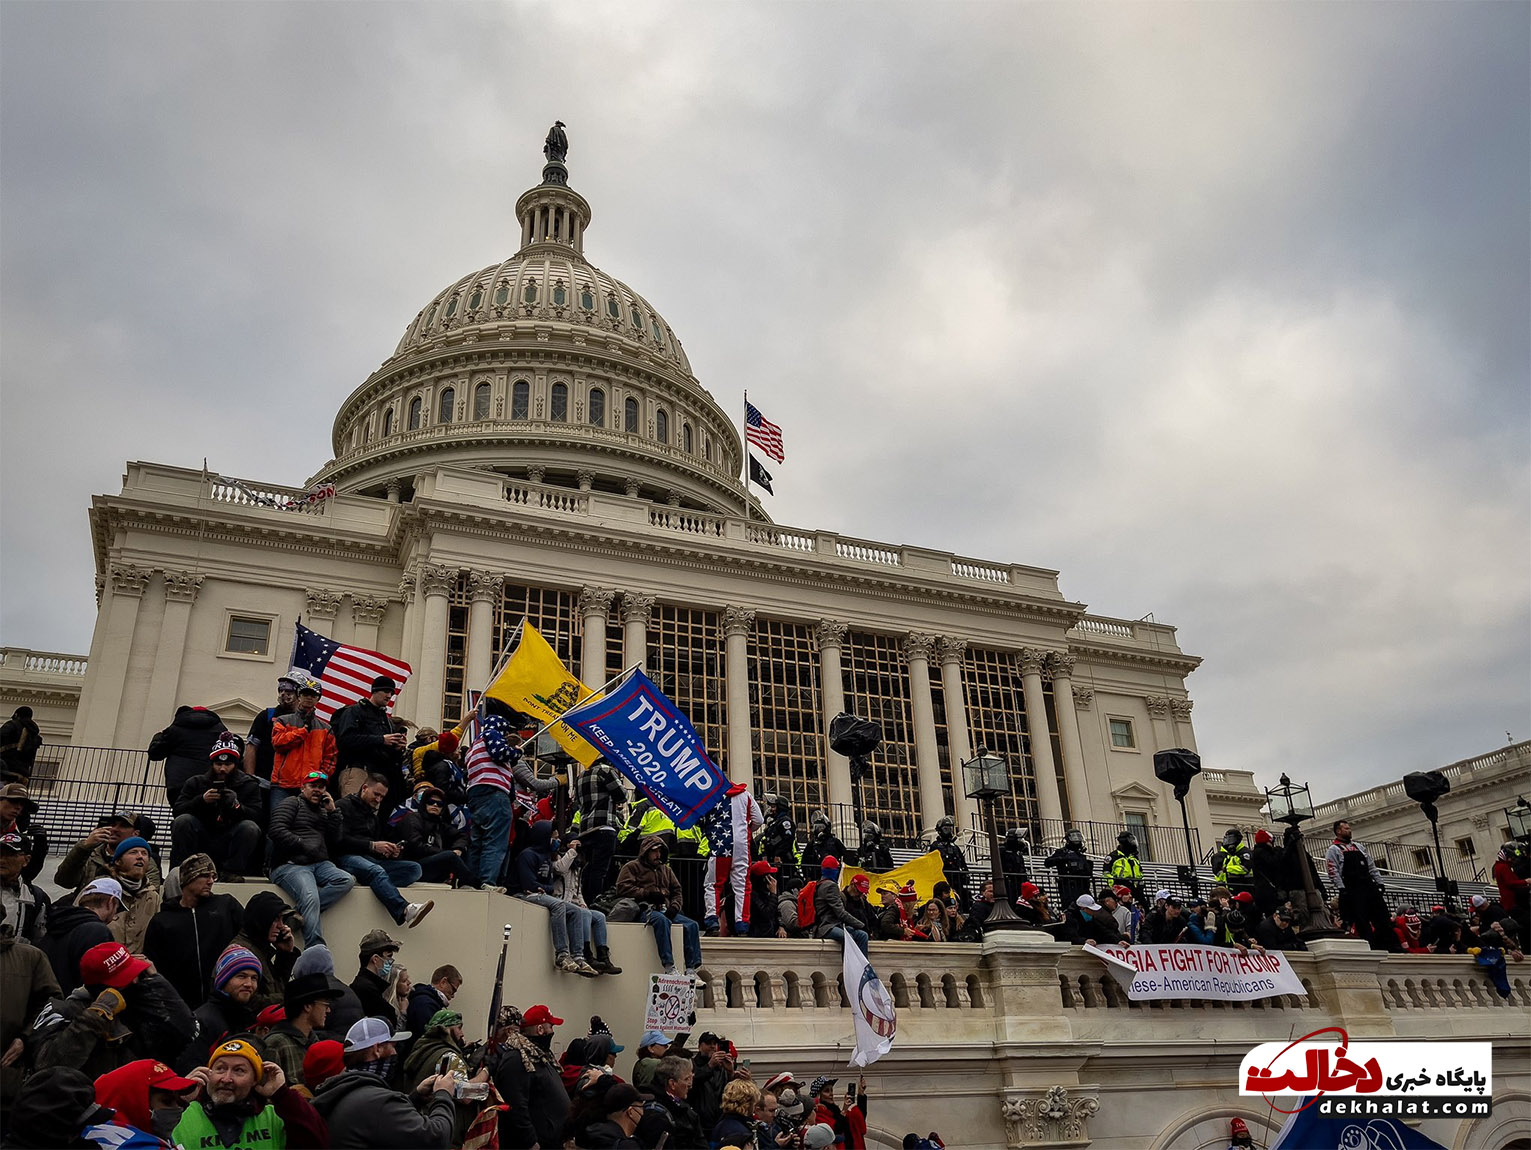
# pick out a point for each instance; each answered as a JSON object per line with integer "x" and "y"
{"x": 746, "y": 453}
{"x": 599, "y": 690}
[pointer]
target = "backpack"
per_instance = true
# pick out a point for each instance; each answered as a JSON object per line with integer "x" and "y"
{"x": 805, "y": 904}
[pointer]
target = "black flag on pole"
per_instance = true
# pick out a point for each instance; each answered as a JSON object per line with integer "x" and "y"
{"x": 760, "y": 476}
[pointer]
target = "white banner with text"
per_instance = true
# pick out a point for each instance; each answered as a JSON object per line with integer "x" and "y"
{"x": 1148, "y": 971}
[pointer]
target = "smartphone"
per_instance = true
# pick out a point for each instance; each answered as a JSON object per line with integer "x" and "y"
{"x": 744, "y": 1062}
{"x": 443, "y": 1065}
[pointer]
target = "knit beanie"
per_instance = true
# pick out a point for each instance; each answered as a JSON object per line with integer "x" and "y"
{"x": 317, "y": 959}
{"x": 231, "y": 962}
{"x": 322, "y": 1061}
{"x": 444, "y": 1018}
{"x": 128, "y": 844}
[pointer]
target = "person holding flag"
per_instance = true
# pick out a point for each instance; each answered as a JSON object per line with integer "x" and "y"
{"x": 730, "y": 827}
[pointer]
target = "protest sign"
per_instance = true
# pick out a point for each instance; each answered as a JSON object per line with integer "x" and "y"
{"x": 672, "y": 1003}
{"x": 647, "y": 738}
{"x": 1150, "y": 971}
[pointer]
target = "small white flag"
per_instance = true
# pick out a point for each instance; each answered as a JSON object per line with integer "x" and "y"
{"x": 871, "y": 1007}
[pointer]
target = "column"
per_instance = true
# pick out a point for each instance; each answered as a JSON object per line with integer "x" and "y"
{"x": 927, "y": 757}
{"x": 958, "y": 743}
{"x": 414, "y": 613}
{"x": 1030, "y": 662}
{"x": 738, "y": 627}
{"x": 320, "y": 610}
{"x": 366, "y": 617}
{"x": 635, "y": 629}
{"x": 832, "y": 689}
{"x": 483, "y": 594}
{"x": 436, "y": 584}
{"x": 180, "y": 593}
{"x": 107, "y": 670}
{"x": 1061, "y": 667}
{"x": 594, "y": 606}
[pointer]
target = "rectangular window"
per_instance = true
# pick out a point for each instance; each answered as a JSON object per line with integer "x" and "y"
{"x": 248, "y": 636}
{"x": 1137, "y": 823}
{"x": 1465, "y": 848}
{"x": 1422, "y": 859}
{"x": 1122, "y": 736}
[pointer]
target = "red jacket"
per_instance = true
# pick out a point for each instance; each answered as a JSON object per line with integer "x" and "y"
{"x": 850, "y": 1124}
{"x": 1512, "y": 888}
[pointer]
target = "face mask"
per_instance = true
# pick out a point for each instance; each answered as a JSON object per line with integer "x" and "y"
{"x": 543, "y": 1040}
{"x": 387, "y": 967}
{"x": 165, "y": 1120}
{"x": 382, "y": 1067}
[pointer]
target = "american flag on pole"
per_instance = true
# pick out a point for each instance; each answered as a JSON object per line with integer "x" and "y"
{"x": 345, "y": 672}
{"x": 762, "y": 432}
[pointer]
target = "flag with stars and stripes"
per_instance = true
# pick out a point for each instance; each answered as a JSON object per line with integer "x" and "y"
{"x": 762, "y": 432}
{"x": 345, "y": 672}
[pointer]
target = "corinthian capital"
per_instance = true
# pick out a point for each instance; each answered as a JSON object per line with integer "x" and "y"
{"x": 595, "y": 601}
{"x": 407, "y": 587}
{"x": 738, "y": 621}
{"x": 636, "y": 607}
{"x": 952, "y": 650}
{"x": 832, "y": 633}
{"x": 128, "y": 579}
{"x": 437, "y": 580}
{"x": 1031, "y": 660}
{"x": 1061, "y": 666}
{"x": 1157, "y": 705}
{"x": 182, "y": 586}
{"x": 367, "y": 609}
{"x": 322, "y": 604}
{"x": 918, "y": 646}
{"x": 1084, "y": 698}
{"x": 484, "y": 586}
{"x": 1181, "y": 708}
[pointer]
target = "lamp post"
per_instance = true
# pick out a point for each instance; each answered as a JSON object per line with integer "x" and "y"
{"x": 986, "y": 777}
{"x": 1424, "y": 787}
{"x": 1292, "y": 804}
{"x": 1178, "y": 767}
{"x": 1519, "y": 819}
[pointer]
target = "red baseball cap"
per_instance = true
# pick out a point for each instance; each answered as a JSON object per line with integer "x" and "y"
{"x": 760, "y": 866}
{"x": 538, "y": 1015}
{"x": 1236, "y": 1126}
{"x": 861, "y": 883}
{"x": 110, "y": 964}
{"x": 829, "y": 862}
{"x": 1243, "y": 896}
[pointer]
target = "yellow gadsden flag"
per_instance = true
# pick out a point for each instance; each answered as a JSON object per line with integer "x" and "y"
{"x": 924, "y": 872}
{"x": 536, "y": 683}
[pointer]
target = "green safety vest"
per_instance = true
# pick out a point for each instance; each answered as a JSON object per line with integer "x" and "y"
{"x": 1125, "y": 868}
{"x": 263, "y": 1131}
{"x": 1232, "y": 865}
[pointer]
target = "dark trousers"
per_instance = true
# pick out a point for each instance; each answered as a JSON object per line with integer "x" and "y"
{"x": 598, "y": 848}
{"x": 447, "y": 864}
{"x": 234, "y": 850}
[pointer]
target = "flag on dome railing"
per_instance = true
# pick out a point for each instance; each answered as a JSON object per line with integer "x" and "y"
{"x": 762, "y": 432}
{"x": 759, "y": 476}
{"x": 345, "y": 672}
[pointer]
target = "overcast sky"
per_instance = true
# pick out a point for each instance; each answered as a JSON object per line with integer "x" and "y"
{"x": 1221, "y": 310}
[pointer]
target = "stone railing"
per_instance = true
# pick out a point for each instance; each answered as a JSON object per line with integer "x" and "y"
{"x": 1459, "y": 774}
{"x": 23, "y": 660}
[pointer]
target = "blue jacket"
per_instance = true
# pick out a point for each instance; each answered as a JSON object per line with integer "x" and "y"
{"x": 534, "y": 865}
{"x": 1196, "y": 930}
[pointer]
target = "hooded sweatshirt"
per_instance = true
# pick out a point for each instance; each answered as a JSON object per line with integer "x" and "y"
{"x": 185, "y": 745}
{"x": 72, "y": 930}
{"x": 345, "y": 1011}
{"x": 276, "y": 965}
{"x": 650, "y": 882}
{"x": 534, "y": 865}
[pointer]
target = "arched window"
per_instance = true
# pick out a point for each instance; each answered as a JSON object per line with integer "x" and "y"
{"x": 481, "y": 401}
{"x": 415, "y": 407}
{"x": 685, "y": 438}
{"x": 559, "y": 407}
{"x": 529, "y": 294}
{"x": 387, "y": 423}
{"x": 587, "y": 299}
{"x": 445, "y": 404}
{"x": 637, "y": 318}
{"x": 430, "y": 317}
{"x": 613, "y": 309}
{"x": 707, "y": 448}
{"x": 560, "y": 297}
{"x": 521, "y": 400}
{"x": 366, "y": 436}
{"x": 597, "y": 407}
{"x": 662, "y": 426}
{"x": 476, "y": 299}
{"x": 659, "y": 339}
{"x": 451, "y": 307}
{"x": 502, "y": 293}
{"x": 630, "y": 415}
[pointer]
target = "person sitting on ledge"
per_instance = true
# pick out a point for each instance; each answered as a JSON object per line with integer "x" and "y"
{"x": 649, "y": 881}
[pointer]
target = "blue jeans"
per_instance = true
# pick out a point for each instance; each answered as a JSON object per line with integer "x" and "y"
{"x": 691, "y": 938}
{"x": 313, "y": 887}
{"x": 838, "y": 934}
{"x": 570, "y": 924}
{"x": 491, "y": 814}
{"x": 384, "y": 876}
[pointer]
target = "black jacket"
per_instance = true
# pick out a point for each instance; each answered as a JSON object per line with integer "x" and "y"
{"x": 423, "y": 836}
{"x": 371, "y": 988}
{"x": 1099, "y": 927}
{"x": 538, "y": 1105}
{"x": 764, "y": 917}
{"x": 72, "y": 930}
{"x": 302, "y": 832}
{"x": 19, "y": 741}
{"x": 185, "y": 744}
{"x": 1074, "y": 873}
{"x": 361, "y": 826}
{"x": 672, "y": 1116}
{"x": 1273, "y": 937}
{"x": 364, "y": 1111}
{"x": 359, "y": 731}
{"x": 216, "y": 1018}
{"x": 1158, "y": 927}
{"x": 184, "y": 943}
{"x": 156, "y": 1024}
{"x": 240, "y": 800}
{"x": 607, "y": 1134}
{"x": 534, "y": 865}
{"x": 874, "y": 857}
{"x": 817, "y": 847}
{"x": 423, "y": 1002}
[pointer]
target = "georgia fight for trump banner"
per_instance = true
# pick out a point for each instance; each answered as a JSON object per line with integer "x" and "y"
{"x": 647, "y": 738}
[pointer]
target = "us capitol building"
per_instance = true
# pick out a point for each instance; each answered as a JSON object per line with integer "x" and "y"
{"x": 537, "y": 446}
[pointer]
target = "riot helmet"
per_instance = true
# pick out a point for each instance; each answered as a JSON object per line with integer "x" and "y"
{"x": 1233, "y": 838}
{"x": 1074, "y": 839}
{"x": 871, "y": 832}
{"x": 819, "y": 821}
{"x": 1015, "y": 840}
{"x": 1128, "y": 842}
{"x": 946, "y": 829}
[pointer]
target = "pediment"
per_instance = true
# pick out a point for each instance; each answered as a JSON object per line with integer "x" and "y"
{"x": 1134, "y": 790}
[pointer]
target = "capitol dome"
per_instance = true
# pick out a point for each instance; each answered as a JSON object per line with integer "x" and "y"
{"x": 542, "y": 367}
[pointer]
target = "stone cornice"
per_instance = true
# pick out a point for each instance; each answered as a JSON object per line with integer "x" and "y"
{"x": 1180, "y": 664}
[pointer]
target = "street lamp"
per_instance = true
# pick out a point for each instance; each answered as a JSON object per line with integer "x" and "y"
{"x": 1178, "y": 767}
{"x": 1519, "y": 819}
{"x": 855, "y": 738}
{"x": 986, "y": 777}
{"x": 1291, "y": 803}
{"x": 1424, "y": 787}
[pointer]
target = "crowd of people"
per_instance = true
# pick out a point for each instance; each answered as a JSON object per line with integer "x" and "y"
{"x": 144, "y": 998}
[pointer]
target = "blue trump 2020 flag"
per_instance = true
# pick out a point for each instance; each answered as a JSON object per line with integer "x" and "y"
{"x": 1310, "y": 1130}
{"x": 643, "y": 734}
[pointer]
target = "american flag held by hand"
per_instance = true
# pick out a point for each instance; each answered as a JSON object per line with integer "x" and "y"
{"x": 345, "y": 672}
{"x": 762, "y": 432}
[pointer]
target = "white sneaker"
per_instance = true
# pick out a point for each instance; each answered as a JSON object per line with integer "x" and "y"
{"x": 694, "y": 974}
{"x": 416, "y": 911}
{"x": 670, "y": 969}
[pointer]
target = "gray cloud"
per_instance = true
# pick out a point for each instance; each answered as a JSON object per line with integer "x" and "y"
{"x": 1220, "y": 310}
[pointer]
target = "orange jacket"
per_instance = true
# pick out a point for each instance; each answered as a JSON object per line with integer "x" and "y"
{"x": 299, "y": 750}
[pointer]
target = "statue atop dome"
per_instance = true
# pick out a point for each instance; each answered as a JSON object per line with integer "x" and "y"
{"x": 556, "y": 146}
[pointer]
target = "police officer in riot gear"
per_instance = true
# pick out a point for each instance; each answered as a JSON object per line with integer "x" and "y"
{"x": 778, "y": 841}
{"x": 822, "y": 841}
{"x": 1074, "y": 870}
{"x": 953, "y": 861}
{"x": 1012, "y": 860}
{"x": 1122, "y": 866}
{"x": 1233, "y": 866}
{"x": 873, "y": 853}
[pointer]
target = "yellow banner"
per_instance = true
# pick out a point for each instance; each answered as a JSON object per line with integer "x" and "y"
{"x": 536, "y": 683}
{"x": 924, "y": 872}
